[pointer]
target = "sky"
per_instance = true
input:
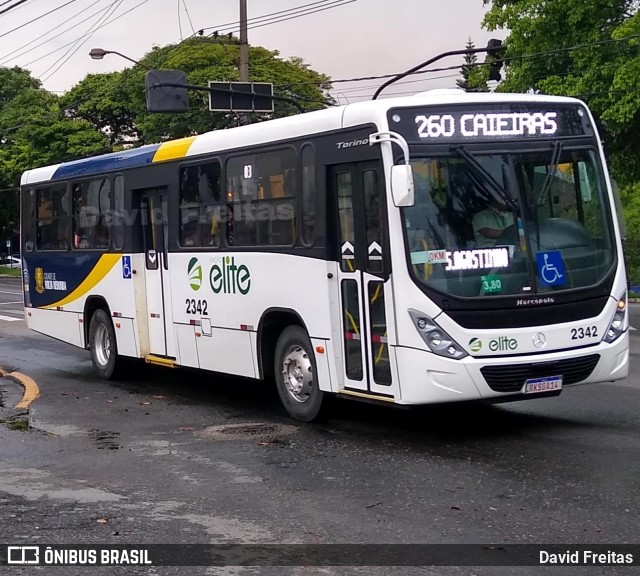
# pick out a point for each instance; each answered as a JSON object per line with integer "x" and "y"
{"x": 341, "y": 38}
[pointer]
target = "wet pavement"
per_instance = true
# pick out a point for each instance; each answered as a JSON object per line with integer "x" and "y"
{"x": 178, "y": 456}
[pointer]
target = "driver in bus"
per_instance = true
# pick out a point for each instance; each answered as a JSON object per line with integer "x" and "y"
{"x": 488, "y": 224}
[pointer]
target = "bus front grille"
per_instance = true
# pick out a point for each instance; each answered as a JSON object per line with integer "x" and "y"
{"x": 511, "y": 377}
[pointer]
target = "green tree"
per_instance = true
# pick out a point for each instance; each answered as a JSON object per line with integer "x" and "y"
{"x": 115, "y": 103}
{"x": 34, "y": 131}
{"x": 589, "y": 49}
{"x": 474, "y": 76}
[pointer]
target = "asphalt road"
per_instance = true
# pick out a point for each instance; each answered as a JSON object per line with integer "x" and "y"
{"x": 186, "y": 457}
{"x": 11, "y": 302}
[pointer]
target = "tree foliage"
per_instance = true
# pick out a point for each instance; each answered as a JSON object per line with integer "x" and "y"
{"x": 589, "y": 49}
{"x": 474, "y": 76}
{"x": 115, "y": 103}
{"x": 34, "y": 131}
{"x": 107, "y": 111}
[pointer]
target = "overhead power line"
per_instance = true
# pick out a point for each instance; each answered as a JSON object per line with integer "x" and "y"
{"x": 78, "y": 44}
{"x": 236, "y": 23}
{"x": 12, "y": 6}
{"x": 507, "y": 58}
{"x": 6, "y": 56}
{"x": 281, "y": 16}
{"x": 322, "y": 9}
{"x": 98, "y": 28}
{"x": 375, "y": 86}
{"x": 184, "y": 3}
{"x": 36, "y": 19}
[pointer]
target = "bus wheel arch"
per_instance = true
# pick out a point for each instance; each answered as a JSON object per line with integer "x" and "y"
{"x": 92, "y": 304}
{"x": 273, "y": 322}
{"x": 101, "y": 340}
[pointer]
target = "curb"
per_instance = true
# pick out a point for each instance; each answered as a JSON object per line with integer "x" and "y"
{"x": 31, "y": 390}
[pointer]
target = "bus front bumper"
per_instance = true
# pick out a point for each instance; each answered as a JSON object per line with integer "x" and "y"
{"x": 426, "y": 378}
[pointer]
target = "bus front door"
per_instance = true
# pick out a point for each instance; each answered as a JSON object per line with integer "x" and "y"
{"x": 154, "y": 205}
{"x": 364, "y": 289}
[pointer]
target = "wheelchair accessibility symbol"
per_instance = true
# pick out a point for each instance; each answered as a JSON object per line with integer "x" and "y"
{"x": 551, "y": 268}
{"x": 126, "y": 267}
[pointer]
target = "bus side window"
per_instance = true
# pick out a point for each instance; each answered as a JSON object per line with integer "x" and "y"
{"x": 91, "y": 210}
{"x": 261, "y": 199}
{"x": 118, "y": 219}
{"x": 309, "y": 195}
{"x": 52, "y": 218}
{"x": 199, "y": 205}
{"x": 29, "y": 219}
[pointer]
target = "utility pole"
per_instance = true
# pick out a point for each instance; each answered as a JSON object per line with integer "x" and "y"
{"x": 244, "y": 44}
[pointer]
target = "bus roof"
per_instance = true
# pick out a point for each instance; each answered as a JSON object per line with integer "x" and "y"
{"x": 373, "y": 111}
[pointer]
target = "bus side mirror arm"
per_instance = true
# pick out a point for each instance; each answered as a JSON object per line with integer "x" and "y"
{"x": 402, "y": 189}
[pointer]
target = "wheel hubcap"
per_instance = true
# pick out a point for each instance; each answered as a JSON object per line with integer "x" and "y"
{"x": 102, "y": 345}
{"x": 297, "y": 373}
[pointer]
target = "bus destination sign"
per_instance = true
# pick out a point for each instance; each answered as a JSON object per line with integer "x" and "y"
{"x": 506, "y": 121}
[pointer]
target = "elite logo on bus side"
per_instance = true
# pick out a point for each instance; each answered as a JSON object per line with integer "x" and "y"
{"x": 225, "y": 276}
{"x": 195, "y": 274}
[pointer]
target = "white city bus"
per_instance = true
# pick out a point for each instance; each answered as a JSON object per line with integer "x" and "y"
{"x": 436, "y": 248}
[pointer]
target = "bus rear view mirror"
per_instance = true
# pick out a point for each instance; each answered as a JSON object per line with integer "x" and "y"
{"x": 402, "y": 185}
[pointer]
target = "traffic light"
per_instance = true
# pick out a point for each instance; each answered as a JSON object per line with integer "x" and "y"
{"x": 240, "y": 96}
{"x": 494, "y": 51}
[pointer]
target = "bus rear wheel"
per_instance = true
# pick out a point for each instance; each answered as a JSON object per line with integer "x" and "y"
{"x": 295, "y": 374}
{"x": 103, "y": 346}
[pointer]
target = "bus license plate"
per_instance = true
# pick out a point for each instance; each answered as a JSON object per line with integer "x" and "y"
{"x": 537, "y": 385}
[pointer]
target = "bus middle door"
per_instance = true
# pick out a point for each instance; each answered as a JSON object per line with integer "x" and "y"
{"x": 154, "y": 205}
{"x": 363, "y": 277}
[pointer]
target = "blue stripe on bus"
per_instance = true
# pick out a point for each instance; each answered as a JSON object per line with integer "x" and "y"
{"x": 53, "y": 276}
{"x": 115, "y": 161}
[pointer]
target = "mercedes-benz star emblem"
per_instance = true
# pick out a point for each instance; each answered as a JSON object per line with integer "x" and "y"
{"x": 539, "y": 340}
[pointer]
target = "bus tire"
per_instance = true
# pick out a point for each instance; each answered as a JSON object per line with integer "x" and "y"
{"x": 295, "y": 374}
{"x": 103, "y": 346}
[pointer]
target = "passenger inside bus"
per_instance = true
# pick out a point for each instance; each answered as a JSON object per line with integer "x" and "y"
{"x": 102, "y": 235}
{"x": 190, "y": 234}
{"x": 489, "y": 223}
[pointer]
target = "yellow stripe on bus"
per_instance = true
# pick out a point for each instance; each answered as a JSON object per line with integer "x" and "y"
{"x": 173, "y": 150}
{"x": 100, "y": 270}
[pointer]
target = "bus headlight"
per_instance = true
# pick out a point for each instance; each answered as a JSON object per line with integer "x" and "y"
{"x": 619, "y": 321}
{"x": 438, "y": 341}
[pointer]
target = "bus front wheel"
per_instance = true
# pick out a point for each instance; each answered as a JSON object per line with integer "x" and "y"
{"x": 103, "y": 346}
{"x": 295, "y": 375}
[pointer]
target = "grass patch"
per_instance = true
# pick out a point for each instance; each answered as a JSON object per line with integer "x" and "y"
{"x": 21, "y": 424}
{"x": 10, "y": 271}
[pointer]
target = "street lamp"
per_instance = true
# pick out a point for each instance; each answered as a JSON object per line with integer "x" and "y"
{"x": 100, "y": 53}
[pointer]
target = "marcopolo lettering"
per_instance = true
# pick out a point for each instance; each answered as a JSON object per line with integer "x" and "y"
{"x": 535, "y": 301}
{"x": 229, "y": 278}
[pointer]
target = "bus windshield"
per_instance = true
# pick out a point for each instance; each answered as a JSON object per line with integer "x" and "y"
{"x": 500, "y": 224}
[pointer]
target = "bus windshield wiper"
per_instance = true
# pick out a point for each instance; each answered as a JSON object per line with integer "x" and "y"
{"x": 546, "y": 187}
{"x": 486, "y": 177}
